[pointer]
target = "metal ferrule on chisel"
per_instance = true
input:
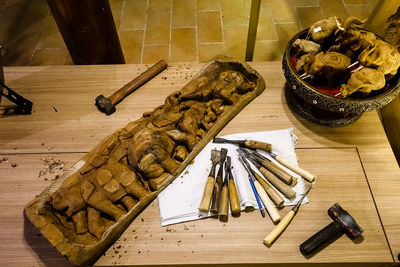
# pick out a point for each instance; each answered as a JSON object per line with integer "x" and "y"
{"x": 246, "y": 154}
{"x": 220, "y": 140}
{"x": 247, "y": 167}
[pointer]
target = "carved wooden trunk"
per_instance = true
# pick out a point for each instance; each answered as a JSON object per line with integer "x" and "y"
{"x": 86, "y": 210}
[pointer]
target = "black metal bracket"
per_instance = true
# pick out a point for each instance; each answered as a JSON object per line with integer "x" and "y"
{"x": 24, "y": 106}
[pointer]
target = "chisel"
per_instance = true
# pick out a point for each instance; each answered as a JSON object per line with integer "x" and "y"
{"x": 281, "y": 186}
{"x": 272, "y": 167}
{"x": 218, "y": 183}
{"x": 242, "y": 160}
{"x": 245, "y": 143}
{"x": 269, "y": 205}
{"x": 233, "y": 194}
{"x": 278, "y": 229}
{"x": 272, "y": 193}
{"x": 310, "y": 177}
{"x": 224, "y": 203}
{"x": 209, "y": 186}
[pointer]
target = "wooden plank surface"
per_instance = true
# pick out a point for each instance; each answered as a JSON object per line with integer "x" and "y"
{"x": 209, "y": 240}
{"x": 351, "y": 162}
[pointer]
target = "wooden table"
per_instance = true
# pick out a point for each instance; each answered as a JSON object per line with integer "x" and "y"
{"x": 355, "y": 167}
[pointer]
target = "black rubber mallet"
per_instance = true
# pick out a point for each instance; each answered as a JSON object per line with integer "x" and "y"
{"x": 343, "y": 223}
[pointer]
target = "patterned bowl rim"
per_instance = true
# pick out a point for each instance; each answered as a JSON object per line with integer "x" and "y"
{"x": 378, "y": 100}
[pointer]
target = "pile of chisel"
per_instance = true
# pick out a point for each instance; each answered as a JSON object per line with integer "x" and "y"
{"x": 219, "y": 192}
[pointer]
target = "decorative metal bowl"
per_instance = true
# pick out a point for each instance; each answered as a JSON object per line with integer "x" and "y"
{"x": 347, "y": 110}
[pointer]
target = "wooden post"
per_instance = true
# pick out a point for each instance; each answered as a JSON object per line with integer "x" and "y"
{"x": 1, "y": 76}
{"x": 252, "y": 33}
{"x": 88, "y": 30}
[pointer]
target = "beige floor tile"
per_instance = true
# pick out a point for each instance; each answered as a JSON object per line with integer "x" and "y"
{"x": 207, "y": 5}
{"x": 131, "y": 43}
{"x": 152, "y": 54}
{"x": 20, "y": 49}
{"x": 267, "y": 51}
{"x": 51, "y": 36}
{"x": 373, "y": 3}
{"x": 157, "y": 28}
{"x": 309, "y": 15}
{"x": 48, "y": 56}
{"x": 359, "y": 11}
{"x": 183, "y": 45}
{"x": 305, "y": 2}
{"x": 159, "y": 5}
{"x": 355, "y": 2}
{"x": 2, "y": 3}
{"x": 209, "y": 27}
{"x": 133, "y": 14}
{"x": 286, "y": 31}
{"x": 183, "y": 13}
{"x": 283, "y": 11}
{"x": 208, "y": 52}
{"x": 331, "y": 8}
{"x": 67, "y": 58}
{"x": 266, "y": 28}
{"x": 235, "y": 41}
{"x": 10, "y": 17}
{"x": 34, "y": 17}
{"x": 116, "y": 10}
{"x": 234, "y": 12}
{"x": 8, "y": 22}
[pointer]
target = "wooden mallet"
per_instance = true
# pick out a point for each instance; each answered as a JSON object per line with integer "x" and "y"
{"x": 107, "y": 105}
{"x": 343, "y": 223}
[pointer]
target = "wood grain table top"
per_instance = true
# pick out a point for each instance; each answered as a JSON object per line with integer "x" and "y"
{"x": 355, "y": 167}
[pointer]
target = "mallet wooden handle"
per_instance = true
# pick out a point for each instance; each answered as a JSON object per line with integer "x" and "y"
{"x": 130, "y": 87}
{"x": 280, "y": 173}
{"x": 207, "y": 194}
{"x": 269, "y": 205}
{"x": 276, "y": 198}
{"x": 281, "y": 186}
{"x": 310, "y": 177}
{"x": 278, "y": 229}
{"x": 257, "y": 145}
{"x": 224, "y": 204}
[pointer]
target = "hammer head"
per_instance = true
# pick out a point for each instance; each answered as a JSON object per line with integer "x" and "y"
{"x": 349, "y": 225}
{"x": 104, "y": 104}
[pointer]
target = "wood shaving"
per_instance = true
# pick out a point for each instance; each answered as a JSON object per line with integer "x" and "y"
{"x": 52, "y": 169}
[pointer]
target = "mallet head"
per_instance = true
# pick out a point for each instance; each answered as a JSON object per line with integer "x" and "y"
{"x": 349, "y": 225}
{"x": 104, "y": 104}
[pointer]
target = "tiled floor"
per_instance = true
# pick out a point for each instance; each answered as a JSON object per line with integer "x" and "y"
{"x": 176, "y": 30}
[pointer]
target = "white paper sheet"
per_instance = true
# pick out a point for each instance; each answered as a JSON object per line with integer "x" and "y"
{"x": 179, "y": 202}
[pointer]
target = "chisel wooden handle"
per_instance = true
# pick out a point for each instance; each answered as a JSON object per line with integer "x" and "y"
{"x": 310, "y": 177}
{"x": 281, "y": 186}
{"x": 276, "y": 198}
{"x": 216, "y": 195}
{"x": 269, "y": 205}
{"x": 224, "y": 204}
{"x": 280, "y": 173}
{"x": 234, "y": 198}
{"x": 207, "y": 194}
{"x": 278, "y": 229}
{"x": 258, "y": 145}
